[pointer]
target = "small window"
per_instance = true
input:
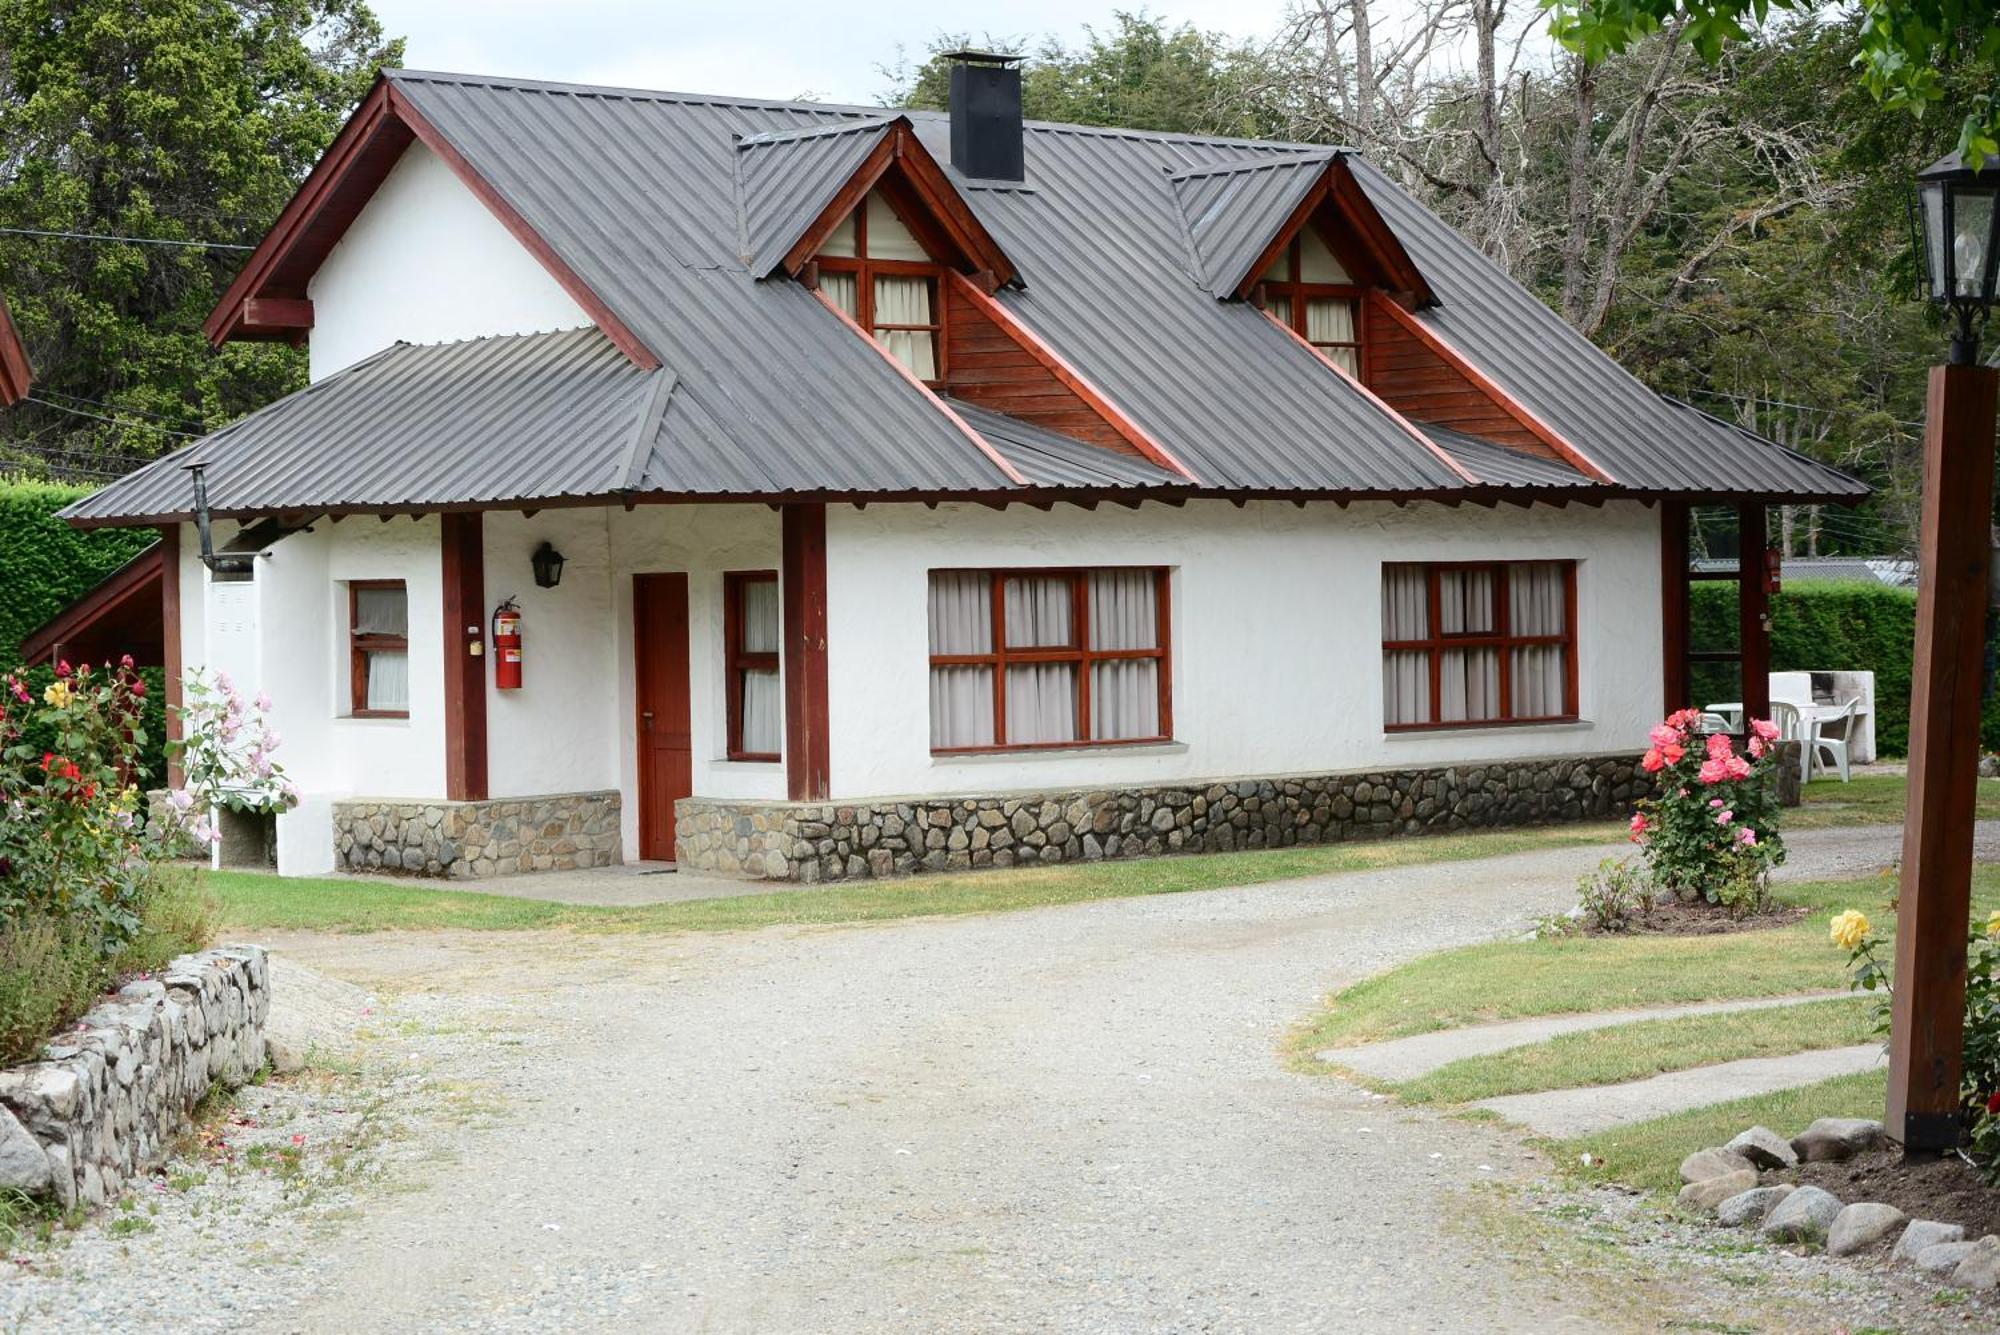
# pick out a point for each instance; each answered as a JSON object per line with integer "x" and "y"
{"x": 1309, "y": 290}
{"x": 874, "y": 270}
{"x": 1039, "y": 658}
{"x": 750, "y": 639}
{"x": 1467, "y": 644}
{"x": 378, "y": 620}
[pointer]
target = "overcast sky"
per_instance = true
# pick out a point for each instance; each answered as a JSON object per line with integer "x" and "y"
{"x": 765, "y": 48}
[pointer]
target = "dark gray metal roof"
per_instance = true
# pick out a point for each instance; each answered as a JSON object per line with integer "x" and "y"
{"x": 653, "y": 200}
{"x": 784, "y": 181}
{"x": 1232, "y": 211}
{"x": 1496, "y": 465}
{"x": 1050, "y": 459}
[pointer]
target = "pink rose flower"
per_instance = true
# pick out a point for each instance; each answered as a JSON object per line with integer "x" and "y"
{"x": 1715, "y": 801}
{"x": 1747, "y": 837}
{"x": 1639, "y": 828}
{"x": 1652, "y": 762}
{"x": 1719, "y": 746}
{"x": 1757, "y": 746}
{"x": 1664, "y": 735}
{"x": 1764, "y": 728}
{"x": 1736, "y": 767}
{"x": 1724, "y": 817}
{"x": 1712, "y": 771}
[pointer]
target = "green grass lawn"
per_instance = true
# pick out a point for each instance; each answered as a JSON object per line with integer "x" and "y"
{"x": 1648, "y": 1154}
{"x": 1646, "y": 1048}
{"x": 1872, "y": 799}
{"x": 257, "y": 902}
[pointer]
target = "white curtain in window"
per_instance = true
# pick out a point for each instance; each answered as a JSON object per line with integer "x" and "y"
{"x": 760, "y": 616}
{"x": 1406, "y": 674}
{"x": 842, "y": 290}
{"x": 961, "y": 707}
{"x": 1041, "y": 703}
{"x": 1537, "y": 605}
{"x": 905, "y": 300}
{"x": 1406, "y": 609}
{"x": 1465, "y": 602}
{"x": 1038, "y": 612}
{"x": 1331, "y": 320}
{"x": 1124, "y": 609}
{"x": 1280, "y": 308}
{"x": 1125, "y": 699}
{"x": 1469, "y": 686}
{"x": 1406, "y": 686}
{"x": 961, "y": 622}
{"x": 388, "y": 680}
{"x": 384, "y": 611}
{"x": 763, "y": 711}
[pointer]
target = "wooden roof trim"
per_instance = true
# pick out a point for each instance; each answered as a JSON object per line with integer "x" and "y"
{"x": 386, "y": 110}
{"x": 904, "y": 155}
{"x": 15, "y": 374}
{"x": 1507, "y": 403}
{"x": 1408, "y": 426}
{"x": 1294, "y": 221}
{"x": 985, "y": 446}
{"x": 1338, "y": 187}
{"x": 102, "y": 599}
{"x": 1074, "y": 380}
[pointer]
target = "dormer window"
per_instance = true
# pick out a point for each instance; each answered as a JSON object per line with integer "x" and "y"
{"x": 874, "y": 269}
{"x": 1309, "y": 289}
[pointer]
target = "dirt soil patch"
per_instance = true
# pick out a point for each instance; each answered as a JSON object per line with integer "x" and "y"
{"x": 1949, "y": 1189}
{"x": 1678, "y": 919}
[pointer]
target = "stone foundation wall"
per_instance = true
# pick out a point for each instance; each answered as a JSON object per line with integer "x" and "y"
{"x": 561, "y": 832}
{"x": 101, "y": 1107}
{"x": 814, "y": 842}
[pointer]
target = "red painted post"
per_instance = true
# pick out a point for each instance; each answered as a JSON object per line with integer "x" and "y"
{"x": 803, "y": 662}
{"x": 1927, "y": 1036}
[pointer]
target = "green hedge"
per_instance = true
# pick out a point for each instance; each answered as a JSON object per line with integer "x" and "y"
{"x": 45, "y": 565}
{"x": 1840, "y": 626}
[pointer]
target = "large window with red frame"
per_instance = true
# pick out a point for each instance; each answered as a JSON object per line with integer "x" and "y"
{"x": 1309, "y": 289}
{"x": 1039, "y": 658}
{"x": 756, "y": 708}
{"x": 874, "y": 269}
{"x": 1478, "y": 643}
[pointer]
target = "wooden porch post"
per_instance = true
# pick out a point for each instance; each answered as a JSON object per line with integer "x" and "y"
{"x": 1753, "y": 607}
{"x": 1674, "y": 609}
{"x": 803, "y": 580}
{"x": 462, "y": 539}
{"x": 170, "y": 639}
{"x": 1927, "y": 1021}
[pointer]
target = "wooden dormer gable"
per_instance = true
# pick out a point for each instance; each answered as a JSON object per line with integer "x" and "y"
{"x": 798, "y": 189}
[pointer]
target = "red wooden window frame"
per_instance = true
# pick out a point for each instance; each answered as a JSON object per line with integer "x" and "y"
{"x": 360, "y": 646}
{"x": 738, "y": 661}
{"x": 1078, "y": 651}
{"x": 1500, "y": 638}
{"x": 1298, "y": 292}
{"x": 865, "y": 270}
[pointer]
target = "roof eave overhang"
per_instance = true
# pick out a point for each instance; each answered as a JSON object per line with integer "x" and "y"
{"x": 16, "y": 376}
{"x": 267, "y": 299}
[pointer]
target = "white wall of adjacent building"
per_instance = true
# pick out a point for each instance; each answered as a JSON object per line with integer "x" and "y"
{"x": 1276, "y": 643}
{"x": 426, "y": 262}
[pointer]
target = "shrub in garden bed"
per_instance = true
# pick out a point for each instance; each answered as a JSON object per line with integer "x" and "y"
{"x": 87, "y": 894}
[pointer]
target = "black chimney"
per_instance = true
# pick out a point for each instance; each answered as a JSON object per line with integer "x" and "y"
{"x": 986, "y": 115}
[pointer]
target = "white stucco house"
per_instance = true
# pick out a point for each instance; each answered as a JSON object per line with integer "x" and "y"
{"x": 931, "y": 491}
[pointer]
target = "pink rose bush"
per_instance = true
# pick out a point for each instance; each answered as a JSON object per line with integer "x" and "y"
{"x": 225, "y": 753}
{"x": 1712, "y": 833}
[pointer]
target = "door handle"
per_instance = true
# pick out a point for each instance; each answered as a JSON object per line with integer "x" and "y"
{"x": 647, "y": 716}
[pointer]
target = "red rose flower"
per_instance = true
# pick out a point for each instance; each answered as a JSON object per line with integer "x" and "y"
{"x": 1993, "y": 1103}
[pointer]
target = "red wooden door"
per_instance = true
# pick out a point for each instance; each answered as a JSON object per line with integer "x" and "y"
{"x": 666, "y": 755}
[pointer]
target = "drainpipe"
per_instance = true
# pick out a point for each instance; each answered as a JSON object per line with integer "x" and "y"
{"x": 233, "y": 563}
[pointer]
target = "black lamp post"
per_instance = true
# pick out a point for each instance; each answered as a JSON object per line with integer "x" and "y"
{"x": 1959, "y": 238}
{"x": 548, "y": 564}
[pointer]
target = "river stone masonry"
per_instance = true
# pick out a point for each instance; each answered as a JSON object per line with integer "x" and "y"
{"x": 499, "y": 837}
{"x": 814, "y": 842}
{"x": 108, "y": 1097}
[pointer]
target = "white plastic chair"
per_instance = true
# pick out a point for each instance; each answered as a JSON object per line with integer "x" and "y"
{"x": 1792, "y": 729}
{"x": 1834, "y": 747}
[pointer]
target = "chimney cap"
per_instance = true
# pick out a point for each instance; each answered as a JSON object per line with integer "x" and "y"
{"x": 970, "y": 57}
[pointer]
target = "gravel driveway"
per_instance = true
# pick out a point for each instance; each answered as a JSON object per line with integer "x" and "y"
{"x": 1069, "y": 1119}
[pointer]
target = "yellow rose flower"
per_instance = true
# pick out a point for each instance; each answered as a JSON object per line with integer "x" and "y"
{"x": 1850, "y": 929}
{"x": 1993, "y": 924}
{"x": 58, "y": 694}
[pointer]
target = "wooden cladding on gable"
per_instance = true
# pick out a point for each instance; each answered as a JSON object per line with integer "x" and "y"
{"x": 989, "y": 367}
{"x": 1420, "y": 384}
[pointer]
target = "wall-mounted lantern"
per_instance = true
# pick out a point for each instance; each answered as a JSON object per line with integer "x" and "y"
{"x": 548, "y": 564}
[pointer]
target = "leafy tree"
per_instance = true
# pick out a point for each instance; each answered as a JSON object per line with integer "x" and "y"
{"x": 178, "y": 119}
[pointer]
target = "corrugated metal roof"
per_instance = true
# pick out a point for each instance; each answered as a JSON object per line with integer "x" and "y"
{"x": 638, "y": 194}
{"x": 1497, "y": 465}
{"x": 1232, "y": 211}
{"x": 785, "y": 180}
{"x": 1050, "y": 459}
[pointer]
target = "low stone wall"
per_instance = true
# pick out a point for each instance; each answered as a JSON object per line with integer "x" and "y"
{"x": 101, "y": 1107}
{"x": 560, "y": 832}
{"x": 814, "y": 842}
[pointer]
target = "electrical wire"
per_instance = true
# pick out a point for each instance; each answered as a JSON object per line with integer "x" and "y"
{"x": 115, "y": 421}
{"x": 125, "y": 240}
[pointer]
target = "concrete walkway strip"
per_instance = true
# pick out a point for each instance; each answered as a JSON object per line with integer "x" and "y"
{"x": 1579, "y": 1112}
{"x": 1400, "y": 1059}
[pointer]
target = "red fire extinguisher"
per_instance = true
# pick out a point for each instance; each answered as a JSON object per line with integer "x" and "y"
{"x": 507, "y": 646}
